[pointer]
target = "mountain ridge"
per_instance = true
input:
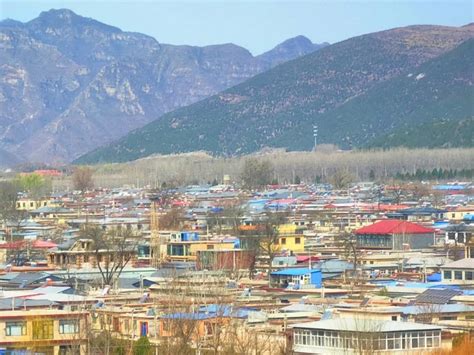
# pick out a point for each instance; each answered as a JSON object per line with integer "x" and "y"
{"x": 292, "y": 96}
{"x": 71, "y": 83}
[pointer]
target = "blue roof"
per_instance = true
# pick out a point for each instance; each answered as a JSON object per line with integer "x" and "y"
{"x": 440, "y": 308}
{"x": 226, "y": 311}
{"x": 194, "y": 316}
{"x": 295, "y": 271}
{"x": 449, "y": 187}
{"x": 211, "y": 311}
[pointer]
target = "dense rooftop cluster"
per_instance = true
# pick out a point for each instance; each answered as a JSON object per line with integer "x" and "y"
{"x": 221, "y": 269}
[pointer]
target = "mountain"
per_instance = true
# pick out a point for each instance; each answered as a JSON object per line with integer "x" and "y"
{"x": 7, "y": 159}
{"x": 355, "y": 91}
{"x": 70, "y": 84}
{"x": 290, "y": 49}
{"x": 425, "y": 107}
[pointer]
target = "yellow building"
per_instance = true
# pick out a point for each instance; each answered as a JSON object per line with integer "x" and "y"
{"x": 25, "y": 204}
{"x": 290, "y": 238}
{"x": 187, "y": 250}
{"x": 459, "y": 213}
{"x": 50, "y": 332}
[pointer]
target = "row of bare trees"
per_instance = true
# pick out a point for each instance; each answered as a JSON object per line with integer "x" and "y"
{"x": 285, "y": 167}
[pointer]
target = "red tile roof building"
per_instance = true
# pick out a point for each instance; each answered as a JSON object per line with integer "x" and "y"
{"x": 394, "y": 234}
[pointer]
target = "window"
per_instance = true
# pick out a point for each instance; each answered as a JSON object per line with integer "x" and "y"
{"x": 210, "y": 247}
{"x": 69, "y": 350}
{"x": 116, "y": 324}
{"x": 283, "y": 241}
{"x": 469, "y": 275}
{"x": 43, "y": 329}
{"x": 297, "y": 240}
{"x": 394, "y": 318}
{"x": 458, "y": 275}
{"x": 15, "y": 329}
{"x": 422, "y": 341}
{"x": 68, "y": 326}
{"x": 447, "y": 275}
{"x": 144, "y": 329}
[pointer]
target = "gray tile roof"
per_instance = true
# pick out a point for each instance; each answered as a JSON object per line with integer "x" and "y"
{"x": 467, "y": 263}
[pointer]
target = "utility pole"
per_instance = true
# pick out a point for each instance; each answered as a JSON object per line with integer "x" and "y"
{"x": 315, "y": 135}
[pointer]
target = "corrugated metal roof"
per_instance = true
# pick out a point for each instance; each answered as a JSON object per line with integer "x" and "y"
{"x": 394, "y": 226}
{"x": 437, "y": 296}
{"x": 294, "y": 272}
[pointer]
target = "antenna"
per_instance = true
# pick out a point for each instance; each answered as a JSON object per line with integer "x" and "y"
{"x": 315, "y": 135}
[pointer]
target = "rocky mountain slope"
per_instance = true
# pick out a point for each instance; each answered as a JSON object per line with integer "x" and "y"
{"x": 69, "y": 84}
{"x": 355, "y": 91}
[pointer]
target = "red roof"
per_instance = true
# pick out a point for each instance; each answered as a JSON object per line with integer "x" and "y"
{"x": 37, "y": 244}
{"x": 43, "y": 244}
{"x": 305, "y": 258}
{"x": 394, "y": 226}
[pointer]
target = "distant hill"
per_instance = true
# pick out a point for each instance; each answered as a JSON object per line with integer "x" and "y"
{"x": 70, "y": 84}
{"x": 431, "y": 105}
{"x": 356, "y": 91}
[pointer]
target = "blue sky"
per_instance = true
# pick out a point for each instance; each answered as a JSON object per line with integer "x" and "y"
{"x": 255, "y": 25}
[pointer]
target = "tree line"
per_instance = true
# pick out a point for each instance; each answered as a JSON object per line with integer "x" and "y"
{"x": 436, "y": 174}
{"x": 285, "y": 167}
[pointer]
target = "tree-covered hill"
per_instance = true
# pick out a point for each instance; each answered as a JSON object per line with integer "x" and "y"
{"x": 355, "y": 91}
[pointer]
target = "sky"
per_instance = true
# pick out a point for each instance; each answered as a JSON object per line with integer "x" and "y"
{"x": 256, "y": 25}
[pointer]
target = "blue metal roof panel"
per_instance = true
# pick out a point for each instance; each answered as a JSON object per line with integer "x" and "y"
{"x": 295, "y": 272}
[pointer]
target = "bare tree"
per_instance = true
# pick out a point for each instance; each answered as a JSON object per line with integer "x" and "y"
{"x": 8, "y": 200}
{"x": 11, "y": 216}
{"x": 82, "y": 178}
{"x": 341, "y": 179}
{"x": 349, "y": 244}
{"x": 419, "y": 190}
{"x": 112, "y": 250}
{"x": 172, "y": 219}
{"x": 267, "y": 236}
{"x": 427, "y": 312}
{"x": 256, "y": 174}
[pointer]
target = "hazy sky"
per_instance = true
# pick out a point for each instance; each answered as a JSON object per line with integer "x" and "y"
{"x": 256, "y": 25}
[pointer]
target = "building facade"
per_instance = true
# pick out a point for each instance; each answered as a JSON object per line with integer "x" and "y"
{"x": 356, "y": 336}
{"x": 49, "y": 332}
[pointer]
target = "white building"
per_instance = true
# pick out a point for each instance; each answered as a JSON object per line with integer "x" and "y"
{"x": 459, "y": 271}
{"x": 355, "y": 336}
